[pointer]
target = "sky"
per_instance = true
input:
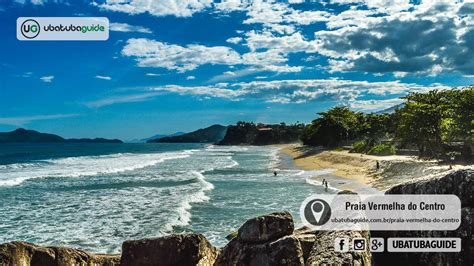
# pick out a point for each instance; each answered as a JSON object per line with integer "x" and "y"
{"x": 179, "y": 65}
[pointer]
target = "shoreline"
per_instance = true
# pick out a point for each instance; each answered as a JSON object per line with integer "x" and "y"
{"x": 358, "y": 172}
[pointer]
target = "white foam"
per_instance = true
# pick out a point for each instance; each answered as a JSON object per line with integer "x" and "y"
{"x": 16, "y": 174}
{"x": 226, "y": 148}
{"x": 275, "y": 159}
{"x": 206, "y": 185}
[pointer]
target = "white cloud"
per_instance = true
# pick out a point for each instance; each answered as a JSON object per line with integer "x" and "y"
{"x": 47, "y": 79}
{"x": 285, "y": 44}
{"x": 23, "y": 120}
{"x": 210, "y": 91}
{"x": 375, "y": 105}
{"x": 178, "y": 8}
{"x": 361, "y": 95}
{"x": 268, "y": 13}
{"x": 394, "y": 36}
{"x": 234, "y": 40}
{"x": 374, "y": 36}
{"x": 149, "y": 53}
{"x": 152, "y": 74}
{"x": 124, "y": 27}
{"x": 190, "y": 77}
{"x": 26, "y": 75}
{"x": 121, "y": 99}
{"x": 103, "y": 77}
{"x": 349, "y": 92}
{"x": 230, "y": 75}
{"x": 37, "y": 2}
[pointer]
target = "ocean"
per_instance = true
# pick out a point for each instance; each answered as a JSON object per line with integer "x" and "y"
{"x": 95, "y": 196}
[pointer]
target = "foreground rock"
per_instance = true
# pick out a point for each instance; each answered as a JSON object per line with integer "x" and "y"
{"x": 323, "y": 252}
{"x": 267, "y": 227}
{"x": 460, "y": 183}
{"x": 188, "y": 249}
{"x": 264, "y": 240}
{"x": 24, "y": 254}
{"x": 272, "y": 240}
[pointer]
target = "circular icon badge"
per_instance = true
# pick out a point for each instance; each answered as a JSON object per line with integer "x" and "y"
{"x": 315, "y": 212}
{"x": 30, "y": 28}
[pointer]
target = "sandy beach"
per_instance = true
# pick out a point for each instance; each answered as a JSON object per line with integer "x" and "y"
{"x": 358, "y": 172}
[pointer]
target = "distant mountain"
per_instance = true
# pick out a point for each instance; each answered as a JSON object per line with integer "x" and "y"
{"x": 391, "y": 110}
{"x": 210, "y": 134}
{"x": 156, "y": 137}
{"x": 31, "y": 136}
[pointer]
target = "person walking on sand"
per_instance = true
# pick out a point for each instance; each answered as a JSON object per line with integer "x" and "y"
{"x": 377, "y": 165}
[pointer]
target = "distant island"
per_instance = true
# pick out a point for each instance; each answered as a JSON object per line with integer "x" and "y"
{"x": 246, "y": 133}
{"x": 210, "y": 134}
{"x": 160, "y": 136}
{"x": 22, "y": 135}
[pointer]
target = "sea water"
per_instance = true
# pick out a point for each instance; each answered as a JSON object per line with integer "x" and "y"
{"x": 95, "y": 196}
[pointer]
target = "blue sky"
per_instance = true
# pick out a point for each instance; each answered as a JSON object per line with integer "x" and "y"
{"x": 174, "y": 65}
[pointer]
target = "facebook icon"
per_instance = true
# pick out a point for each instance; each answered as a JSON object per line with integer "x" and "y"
{"x": 341, "y": 244}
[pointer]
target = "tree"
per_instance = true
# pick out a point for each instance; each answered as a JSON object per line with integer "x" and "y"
{"x": 420, "y": 122}
{"x": 332, "y": 127}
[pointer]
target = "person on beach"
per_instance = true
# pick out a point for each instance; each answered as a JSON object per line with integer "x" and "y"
{"x": 377, "y": 165}
{"x": 275, "y": 173}
{"x": 324, "y": 181}
{"x": 326, "y": 184}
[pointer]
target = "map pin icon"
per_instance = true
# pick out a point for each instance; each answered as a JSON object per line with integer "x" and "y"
{"x": 317, "y": 208}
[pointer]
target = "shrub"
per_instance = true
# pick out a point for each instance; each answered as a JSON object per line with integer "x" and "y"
{"x": 360, "y": 147}
{"x": 382, "y": 149}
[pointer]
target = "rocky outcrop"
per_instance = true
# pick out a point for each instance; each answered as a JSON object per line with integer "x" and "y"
{"x": 264, "y": 240}
{"x": 25, "y": 254}
{"x": 266, "y": 228}
{"x": 323, "y": 252}
{"x": 186, "y": 249}
{"x": 459, "y": 183}
{"x": 210, "y": 134}
{"x": 271, "y": 240}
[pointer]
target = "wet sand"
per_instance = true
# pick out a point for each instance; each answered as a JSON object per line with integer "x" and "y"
{"x": 358, "y": 172}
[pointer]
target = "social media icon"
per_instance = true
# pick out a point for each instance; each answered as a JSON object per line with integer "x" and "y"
{"x": 377, "y": 244}
{"x": 359, "y": 244}
{"x": 316, "y": 212}
{"x": 341, "y": 244}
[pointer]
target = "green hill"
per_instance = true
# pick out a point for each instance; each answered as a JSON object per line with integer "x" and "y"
{"x": 210, "y": 134}
{"x": 22, "y": 135}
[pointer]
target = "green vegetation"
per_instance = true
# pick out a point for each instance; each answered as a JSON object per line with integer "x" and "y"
{"x": 360, "y": 146}
{"x": 438, "y": 124}
{"x": 261, "y": 134}
{"x": 210, "y": 134}
{"x": 382, "y": 149}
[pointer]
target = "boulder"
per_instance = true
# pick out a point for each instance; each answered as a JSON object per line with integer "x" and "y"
{"x": 323, "y": 252}
{"x": 266, "y": 228}
{"x": 284, "y": 251}
{"x": 25, "y": 254}
{"x": 264, "y": 240}
{"x": 307, "y": 243}
{"x": 185, "y": 249}
{"x": 459, "y": 183}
